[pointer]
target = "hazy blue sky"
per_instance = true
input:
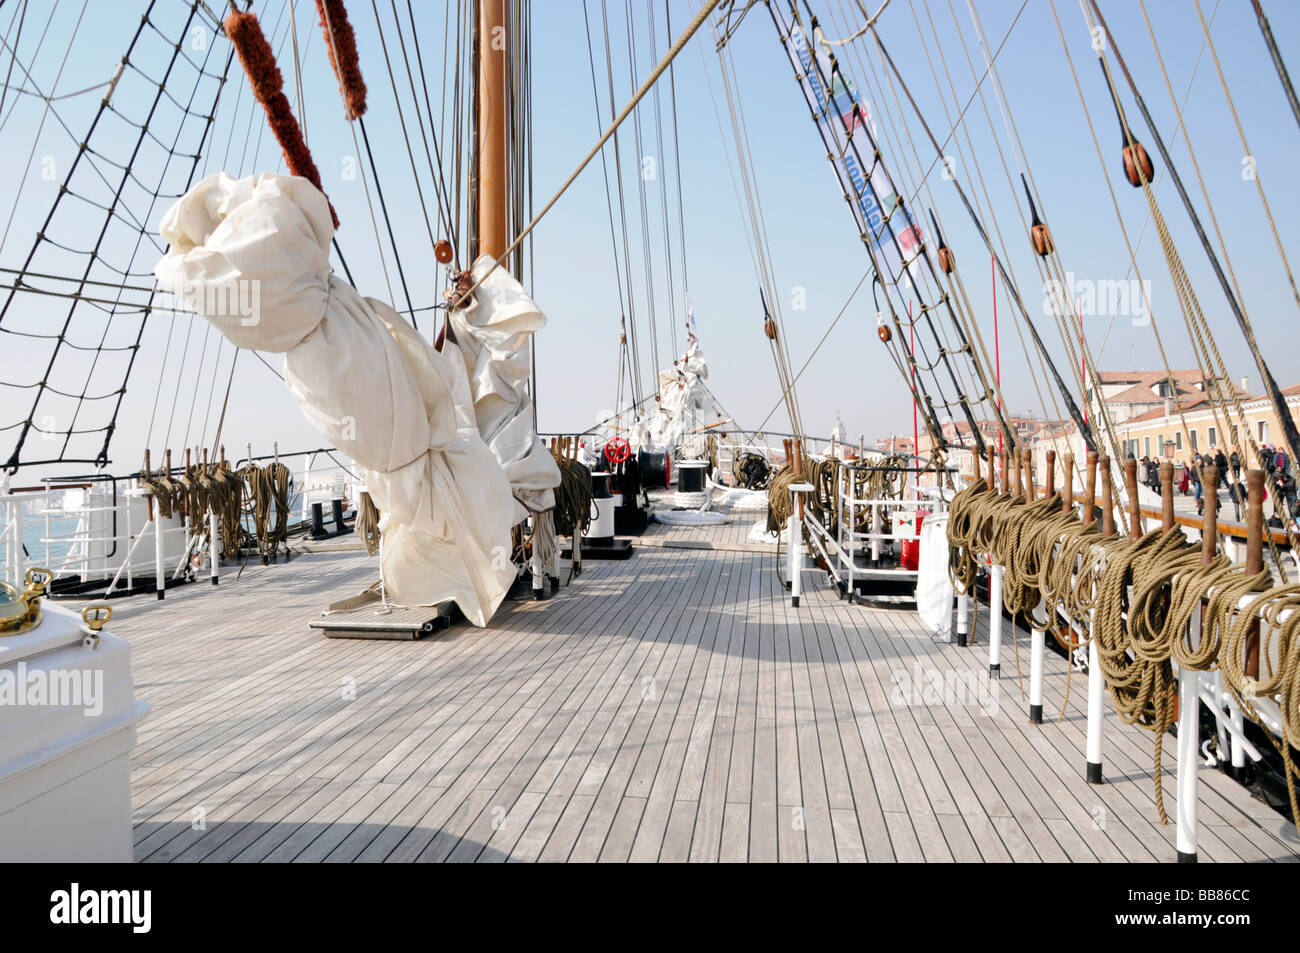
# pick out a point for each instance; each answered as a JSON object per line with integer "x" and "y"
{"x": 815, "y": 251}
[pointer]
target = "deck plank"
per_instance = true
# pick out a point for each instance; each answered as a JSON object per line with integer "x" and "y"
{"x": 672, "y": 707}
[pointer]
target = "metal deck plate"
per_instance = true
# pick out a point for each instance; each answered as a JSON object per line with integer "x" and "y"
{"x": 372, "y": 622}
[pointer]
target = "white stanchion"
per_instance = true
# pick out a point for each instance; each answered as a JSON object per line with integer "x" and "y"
{"x": 963, "y": 619}
{"x": 1238, "y": 721}
{"x": 1096, "y": 688}
{"x": 214, "y": 542}
{"x": 1037, "y": 642}
{"x": 796, "y": 562}
{"x": 159, "y": 568}
{"x": 995, "y": 621}
{"x": 792, "y": 543}
{"x": 877, "y": 527}
{"x": 795, "y": 527}
{"x": 1189, "y": 731}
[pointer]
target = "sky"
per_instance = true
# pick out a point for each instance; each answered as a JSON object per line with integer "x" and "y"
{"x": 181, "y": 370}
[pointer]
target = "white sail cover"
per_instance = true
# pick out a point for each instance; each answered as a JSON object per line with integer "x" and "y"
{"x": 686, "y": 407}
{"x": 493, "y": 334}
{"x": 366, "y": 380}
{"x": 934, "y": 588}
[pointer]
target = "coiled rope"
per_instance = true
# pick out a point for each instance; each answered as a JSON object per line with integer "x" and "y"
{"x": 267, "y": 493}
{"x": 751, "y": 470}
{"x": 1143, "y": 598}
{"x": 1279, "y": 638}
{"x": 573, "y": 498}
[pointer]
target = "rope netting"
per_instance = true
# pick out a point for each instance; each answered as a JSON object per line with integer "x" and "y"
{"x": 74, "y": 312}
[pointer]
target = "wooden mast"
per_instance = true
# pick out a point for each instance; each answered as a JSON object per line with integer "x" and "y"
{"x": 493, "y": 184}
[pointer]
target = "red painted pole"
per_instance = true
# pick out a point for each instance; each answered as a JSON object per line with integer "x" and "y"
{"x": 911, "y": 329}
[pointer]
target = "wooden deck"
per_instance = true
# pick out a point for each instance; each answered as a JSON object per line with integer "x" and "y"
{"x": 671, "y": 707}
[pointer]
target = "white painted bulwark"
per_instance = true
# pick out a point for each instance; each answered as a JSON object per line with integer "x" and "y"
{"x": 68, "y": 718}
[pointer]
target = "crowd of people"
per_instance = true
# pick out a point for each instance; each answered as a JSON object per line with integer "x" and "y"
{"x": 1188, "y": 480}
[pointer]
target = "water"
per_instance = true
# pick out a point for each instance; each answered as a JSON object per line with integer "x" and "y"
{"x": 50, "y": 556}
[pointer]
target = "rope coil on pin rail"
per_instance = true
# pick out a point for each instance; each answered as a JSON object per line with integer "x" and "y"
{"x": 885, "y": 481}
{"x": 1144, "y": 595}
{"x": 1273, "y": 619}
{"x": 573, "y": 509}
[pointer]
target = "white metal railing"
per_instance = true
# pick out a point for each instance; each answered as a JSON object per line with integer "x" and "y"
{"x": 105, "y": 530}
{"x": 90, "y": 534}
{"x": 854, "y": 555}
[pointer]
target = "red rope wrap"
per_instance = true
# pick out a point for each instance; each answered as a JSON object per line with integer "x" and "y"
{"x": 334, "y": 18}
{"x": 268, "y": 87}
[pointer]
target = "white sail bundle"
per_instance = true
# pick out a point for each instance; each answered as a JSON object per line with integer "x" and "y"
{"x": 686, "y": 408}
{"x": 492, "y": 334}
{"x": 407, "y": 413}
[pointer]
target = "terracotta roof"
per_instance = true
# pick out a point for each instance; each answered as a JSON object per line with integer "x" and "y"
{"x": 1137, "y": 394}
{"x": 1187, "y": 382}
{"x": 1188, "y": 377}
{"x": 1156, "y": 413}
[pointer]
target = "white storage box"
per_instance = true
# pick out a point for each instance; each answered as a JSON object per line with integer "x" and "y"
{"x": 68, "y": 718}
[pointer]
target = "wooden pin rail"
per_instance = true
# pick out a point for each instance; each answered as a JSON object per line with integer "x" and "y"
{"x": 1107, "y": 496}
{"x": 1131, "y": 486}
{"x": 1090, "y": 489}
{"x": 1190, "y": 681}
{"x": 1067, "y": 486}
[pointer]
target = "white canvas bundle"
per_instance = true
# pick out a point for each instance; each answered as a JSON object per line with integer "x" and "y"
{"x": 934, "y": 588}
{"x": 493, "y": 334}
{"x": 685, "y": 407}
{"x": 366, "y": 381}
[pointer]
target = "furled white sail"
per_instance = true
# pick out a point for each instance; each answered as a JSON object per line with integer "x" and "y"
{"x": 493, "y": 334}
{"x": 364, "y": 378}
{"x": 687, "y": 411}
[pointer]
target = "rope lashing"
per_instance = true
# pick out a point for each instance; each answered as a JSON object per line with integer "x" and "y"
{"x": 367, "y": 525}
